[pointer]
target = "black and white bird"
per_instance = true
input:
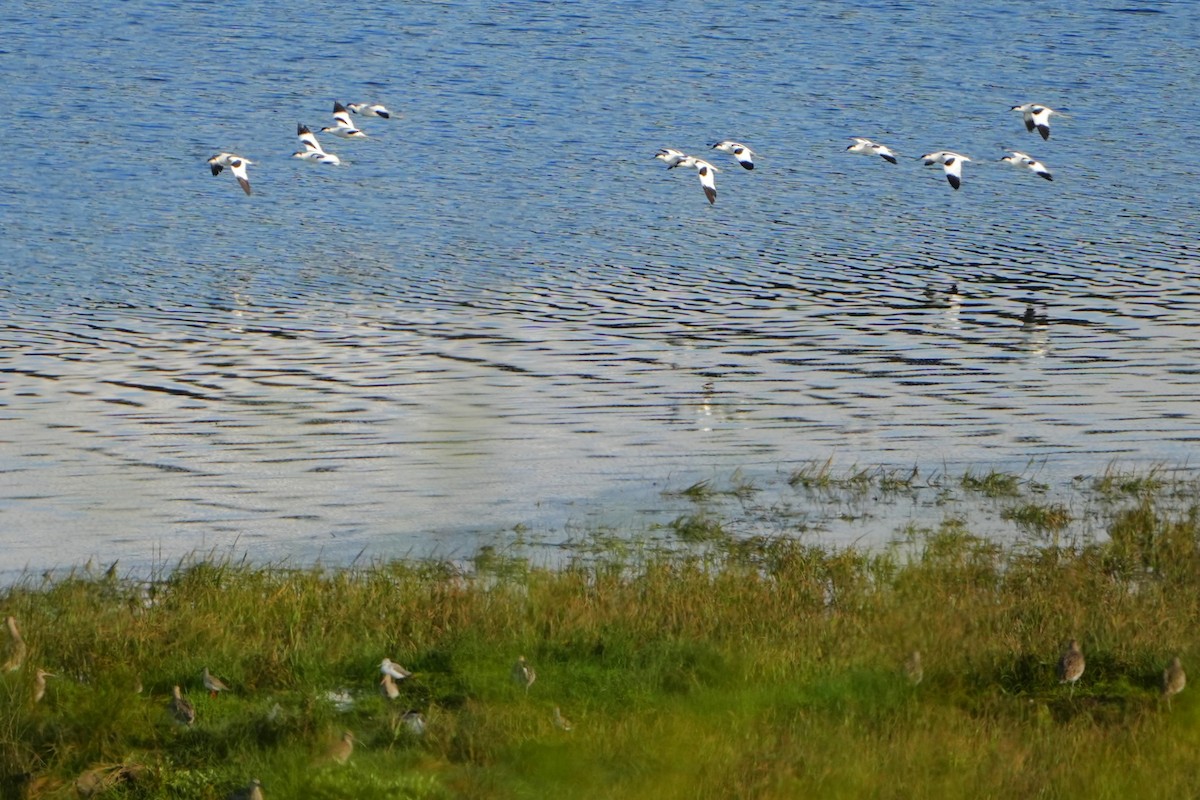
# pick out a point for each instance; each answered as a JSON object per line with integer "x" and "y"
{"x": 743, "y": 154}
{"x": 951, "y": 164}
{"x": 707, "y": 173}
{"x": 1019, "y": 159}
{"x": 344, "y": 128}
{"x": 867, "y": 147}
{"x": 1036, "y": 116}
{"x": 237, "y": 165}
{"x": 311, "y": 148}
{"x": 670, "y": 156}
{"x": 369, "y": 110}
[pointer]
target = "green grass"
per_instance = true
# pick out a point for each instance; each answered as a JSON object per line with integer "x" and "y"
{"x": 728, "y": 666}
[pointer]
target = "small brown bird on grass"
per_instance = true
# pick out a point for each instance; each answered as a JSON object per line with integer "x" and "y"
{"x": 39, "y": 684}
{"x": 340, "y": 751}
{"x": 180, "y": 709}
{"x": 1070, "y": 665}
{"x": 523, "y": 673}
{"x": 1173, "y": 680}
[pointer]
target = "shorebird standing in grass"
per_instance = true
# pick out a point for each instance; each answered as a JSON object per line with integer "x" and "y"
{"x": 560, "y": 721}
{"x": 39, "y": 684}
{"x": 394, "y": 670}
{"x": 251, "y": 792}
{"x": 1173, "y": 679}
{"x": 913, "y": 669}
{"x": 415, "y": 722}
{"x": 339, "y": 752}
{"x": 388, "y": 687}
{"x": 180, "y": 709}
{"x": 1070, "y": 664}
{"x": 523, "y": 674}
{"x": 16, "y": 658}
{"x": 213, "y": 684}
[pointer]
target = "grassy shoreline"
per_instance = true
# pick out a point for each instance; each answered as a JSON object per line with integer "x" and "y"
{"x": 712, "y": 666}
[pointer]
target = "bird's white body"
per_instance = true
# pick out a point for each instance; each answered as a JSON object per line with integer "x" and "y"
{"x": 394, "y": 670}
{"x": 870, "y": 148}
{"x": 951, "y": 164}
{"x": 1036, "y": 117}
{"x": 1019, "y": 159}
{"x": 707, "y": 173}
{"x": 369, "y": 110}
{"x": 343, "y": 128}
{"x": 236, "y": 164}
{"x": 743, "y": 154}
{"x": 312, "y": 150}
{"x": 670, "y": 156}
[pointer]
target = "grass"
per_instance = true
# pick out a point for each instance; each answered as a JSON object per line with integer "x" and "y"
{"x": 729, "y": 666}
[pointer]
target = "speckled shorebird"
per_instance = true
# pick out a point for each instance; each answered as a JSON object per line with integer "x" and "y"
{"x": 1174, "y": 679}
{"x": 214, "y": 684}
{"x": 180, "y": 709}
{"x": 913, "y": 669}
{"x": 340, "y": 750}
{"x": 1070, "y": 665}
{"x": 39, "y": 684}
{"x": 253, "y": 791}
{"x": 388, "y": 687}
{"x": 523, "y": 674}
{"x": 560, "y": 721}
{"x": 16, "y": 657}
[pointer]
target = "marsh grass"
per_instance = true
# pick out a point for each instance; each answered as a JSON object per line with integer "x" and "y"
{"x": 753, "y": 667}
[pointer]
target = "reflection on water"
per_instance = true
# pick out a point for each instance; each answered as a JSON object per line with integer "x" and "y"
{"x": 502, "y": 311}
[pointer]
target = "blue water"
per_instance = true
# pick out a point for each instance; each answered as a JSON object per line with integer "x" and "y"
{"x": 501, "y": 311}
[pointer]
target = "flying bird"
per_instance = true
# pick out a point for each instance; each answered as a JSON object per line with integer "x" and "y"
{"x": 312, "y": 150}
{"x": 344, "y": 128}
{"x": 369, "y": 110}
{"x": 237, "y": 165}
{"x": 1019, "y": 159}
{"x": 1036, "y": 117}
{"x": 707, "y": 173}
{"x": 867, "y": 147}
{"x": 743, "y": 154}
{"x": 670, "y": 156}
{"x": 951, "y": 165}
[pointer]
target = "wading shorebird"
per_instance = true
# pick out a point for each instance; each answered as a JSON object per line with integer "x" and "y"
{"x": 1019, "y": 159}
{"x": 743, "y": 154}
{"x": 523, "y": 674}
{"x": 180, "y": 709}
{"x": 1173, "y": 679}
{"x": 39, "y": 684}
{"x": 867, "y": 147}
{"x": 1071, "y": 664}
{"x": 951, "y": 164}
{"x": 1036, "y": 117}
{"x": 213, "y": 684}
{"x": 237, "y": 165}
